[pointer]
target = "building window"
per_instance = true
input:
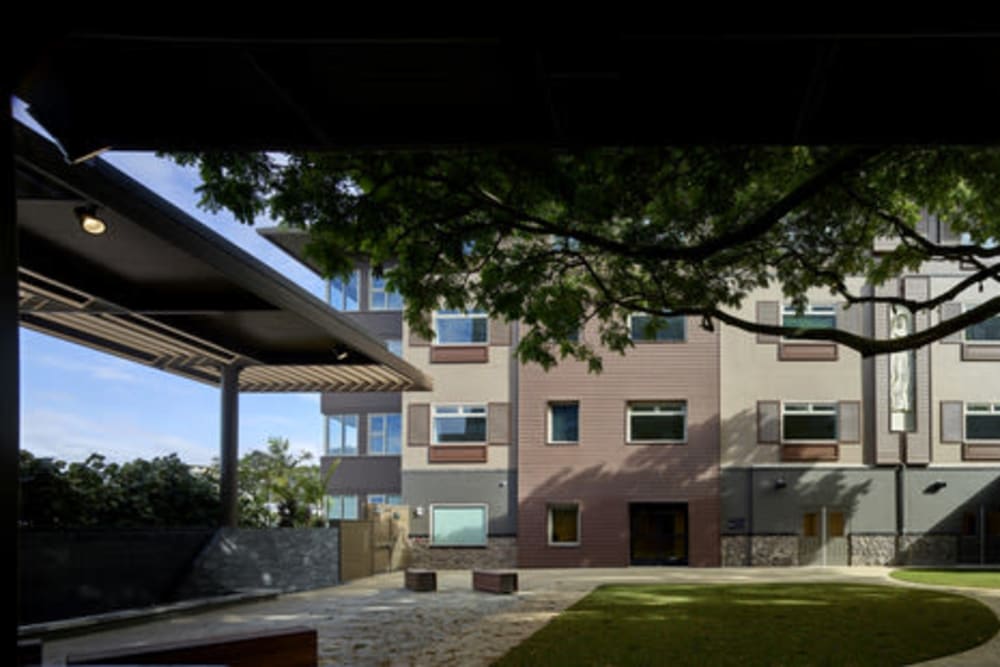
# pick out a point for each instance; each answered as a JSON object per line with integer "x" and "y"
{"x": 564, "y": 422}
{"x": 381, "y": 297}
{"x": 385, "y": 433}
{"x": 385, "y": 499}
{"x": 982, "y": 421}
{"x": 813, "y": 317}
{"x": 458, "y": 327}
{"x": 459, "y": 525}
{"x": 343, "y": 435}
{"x": 808, "y": 422}
{"x": 657, "y": 422}
{"x": 344, "y": 293}
{"x": 985, "y": 331}
{"x": 459, "y": 424}
{"x": 650, "y": 328}
{"x": 564, "y": 525}
{"x": 342, "y": 507}
{"x": 395, "y": 346}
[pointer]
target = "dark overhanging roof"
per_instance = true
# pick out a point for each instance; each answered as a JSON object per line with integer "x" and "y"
{"x": 722, "y": 82}
{"x": 164, "y": 290}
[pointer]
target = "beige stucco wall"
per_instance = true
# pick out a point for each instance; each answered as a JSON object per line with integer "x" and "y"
{"x": 751, "y": 372}
{"x": 477, "y": 383}
{"x": 955, "y": 380}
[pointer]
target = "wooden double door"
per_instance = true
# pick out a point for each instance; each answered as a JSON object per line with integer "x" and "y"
{"x": 823, "y": 540}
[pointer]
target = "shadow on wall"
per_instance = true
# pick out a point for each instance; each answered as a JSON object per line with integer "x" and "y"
{"x": 602, "y": 478}
{"x": 951, "y": 516}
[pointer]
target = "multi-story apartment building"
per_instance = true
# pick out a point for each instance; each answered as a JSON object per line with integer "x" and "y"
{"x": 623, "y": 467}
{"x": 828, "y": 458}
{"x": 695, "y": 447}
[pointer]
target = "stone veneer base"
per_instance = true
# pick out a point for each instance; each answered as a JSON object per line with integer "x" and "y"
{"x": 500, "y": 552}
{"x": 782, "y": 550}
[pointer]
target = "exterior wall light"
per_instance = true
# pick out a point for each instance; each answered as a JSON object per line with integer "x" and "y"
{"x": 89, "y": 222}
{"x": 779, "y": 483}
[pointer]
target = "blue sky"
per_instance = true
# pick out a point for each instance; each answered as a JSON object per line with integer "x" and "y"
{"x": 75, "y": 401}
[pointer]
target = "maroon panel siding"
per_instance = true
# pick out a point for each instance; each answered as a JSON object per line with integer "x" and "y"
{"x": 809, "y": 453}
{"x": 602, "y": 473}
{"x": 456, "y": 454}
{"x": 807, "y": 352}
{"x": 460, "y": 354}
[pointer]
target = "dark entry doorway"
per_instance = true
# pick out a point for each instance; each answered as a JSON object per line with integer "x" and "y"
{"x": 658, "y": 533}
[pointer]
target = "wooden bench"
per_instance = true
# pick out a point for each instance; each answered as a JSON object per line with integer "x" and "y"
{"x": 290, "y": 647}
{"x": 421, "y": 581}
{"x": 494, "y": 581}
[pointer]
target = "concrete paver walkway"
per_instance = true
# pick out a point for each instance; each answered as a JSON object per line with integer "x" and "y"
{"x": 375, "y": 621}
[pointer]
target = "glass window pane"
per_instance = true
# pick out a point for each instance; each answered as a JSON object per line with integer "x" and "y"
{"x": 985, "y": 330}
{"x": 376, "y": 443}
{"x": 343, "y": 435}
{"x": 376, "y": 498}
{"x": 378, "y": 300}
{"x": 563, "y": 521}
{"x": 658, "y": 427}
{"x": 810, "y": 427}
{"x": 565, "y": 422}
{"x": 982, "y": 427}
{"x": 460, "y": 429}
{"x": 395, "y": 301}
{"x": 395, "y": 346}
{"x": 810, "y": 320}
{"x": 667, "y": 328}
{"x": 350, "y": 507}
{"x": 334, "y": 507}
{"x": 394, "y": 499}
{"x": 458, "y": 526}
{"x": 394, "y": 434}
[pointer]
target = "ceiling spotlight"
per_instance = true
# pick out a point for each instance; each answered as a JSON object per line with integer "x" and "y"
{"x": 89, "y": 222}
{"x": 341, "y": 356}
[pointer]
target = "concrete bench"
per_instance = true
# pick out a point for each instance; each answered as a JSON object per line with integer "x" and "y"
{"x": 290, "y": 647}
{"x": 494, "y": 581}
{"x": 421, "y": 581}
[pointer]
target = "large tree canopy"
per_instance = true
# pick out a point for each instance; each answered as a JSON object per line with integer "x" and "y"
{"x": 558, "y": 239}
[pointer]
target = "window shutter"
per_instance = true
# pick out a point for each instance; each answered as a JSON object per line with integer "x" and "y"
{"x": 949, "y": 311}
{"x": 416, "y": 340}
{"x": 418, "y": 425}
{"x": 498, "y": 424}
{"x": 768, "y": 312}
{"x": 951, "y": 421}
{"x": 499, "y": 332}
{"x": 769, "y": 422}
{"x": 851, "y": 319}
{"x": 849, "y": 421}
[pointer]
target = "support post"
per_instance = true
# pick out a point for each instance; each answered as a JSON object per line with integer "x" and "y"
{"x": 10, "y": 453}
{"x": 229, "y": 446}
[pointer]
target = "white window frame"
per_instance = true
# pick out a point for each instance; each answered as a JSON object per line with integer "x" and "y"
{"x": 342, "y": 306}
{"x": 328, "y": 501}
{"x": 811, "y": 309}
{"x": 682, "y": 339}
{"x": 548, "y": 524}
{"x": 811, "y": 410}
{"x": 372, "y": 290}
{"x": 549, "y": 421}
{"x": 486, "y": 524}
{"x": 992, "y": 409}
{"x": 437, "y": 315}
{"x": 628, "y": 419}
{"x": 462, "y": 412}
{"x": 385, "y": 436}
{"x": 357, "y": 429}
{"x": 976, "y": 341}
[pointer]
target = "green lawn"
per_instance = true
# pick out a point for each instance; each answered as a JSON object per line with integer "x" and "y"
{"x": 972, "y": 578}
{"x": 762, "y": 624}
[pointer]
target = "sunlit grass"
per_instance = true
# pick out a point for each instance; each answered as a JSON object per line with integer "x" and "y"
{"x": 760, "y": 624}
{"x": 939, "y": 577}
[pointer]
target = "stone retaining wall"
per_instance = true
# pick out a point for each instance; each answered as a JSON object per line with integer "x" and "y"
{"x": 927, "y": 550}
{"x": 500, "y": 553}
{"x": 286, "y": 559}
{"x": 873, "y": 549}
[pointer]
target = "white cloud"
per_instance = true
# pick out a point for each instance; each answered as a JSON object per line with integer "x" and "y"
{"x": 113, "y": 370}
{"x": 71, "y": 436}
